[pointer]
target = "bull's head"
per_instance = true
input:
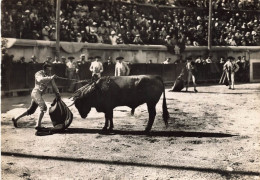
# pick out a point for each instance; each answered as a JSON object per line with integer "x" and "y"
{"x": 84, "y": 98}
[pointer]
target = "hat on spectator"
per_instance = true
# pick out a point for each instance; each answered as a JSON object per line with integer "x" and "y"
{"x": 82, "y": 55}
{"x": 127, "y": 32}
{"x": 230, "y": 57}
{"x": 113, "y": 32}
{"x": 97, "y": 57}
{"x": 33, "y": 57}
{"x": 71, "y": 57}
{"x": 119, "y": 35}
{"x": 119, "y": 58}
{"x": 19, "y": 3}
{"x": 138, "y": 35}
{"x": 90, "y": 57}
{"x": 168, "y": 36}
{"x": 63, "y": 57}
{"x": 27, "y": 11}
{"x": 94, "y": 23}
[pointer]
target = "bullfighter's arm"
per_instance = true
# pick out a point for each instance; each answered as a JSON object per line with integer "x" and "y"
{"x": 54, "y": 87}
{"x": 39, "y": 76}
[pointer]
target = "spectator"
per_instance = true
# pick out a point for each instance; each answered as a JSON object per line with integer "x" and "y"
{"x": 48, "y": 60}
{"x": 71, "y": 73}
{"x": 222, "y": 60}
{"x": 167, "y": 61}
{"x": 121, "y": 68}
{"x": 92, "y": 38}
{"x": 33, "y": 60}
{"x": 129, "y": 38}
{"x": 63, "y": 59}
{"x": 198, "y": 60}
{"x": 108, "y": 62}
{"x": 96, "y": 68}
{"x": 209, "y": 60}
{"x": 82, "y": 60}
{"x": 56, "y": 60}
{"x": 21, "y": 60}
{"x": 138, "y": 40}
{"x": 113, "y": 38}
{"x": 119, "y": 40}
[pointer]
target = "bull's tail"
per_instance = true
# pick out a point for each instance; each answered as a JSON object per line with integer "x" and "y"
{"x": 165, "y": 113}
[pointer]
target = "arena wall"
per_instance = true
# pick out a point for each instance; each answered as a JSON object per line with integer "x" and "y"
{"x": 131, "y": 53}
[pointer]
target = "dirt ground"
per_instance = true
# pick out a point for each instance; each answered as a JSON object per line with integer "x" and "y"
{"x": 212, "y": 134}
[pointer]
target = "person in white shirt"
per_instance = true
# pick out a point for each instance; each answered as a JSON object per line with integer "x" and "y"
{"x": 96, "y": 68}
{"x": 231, "y": 67}
{"x": 42, "y": 79}
{"x": 121, "y": 68}
{"x": 113, "y": 38}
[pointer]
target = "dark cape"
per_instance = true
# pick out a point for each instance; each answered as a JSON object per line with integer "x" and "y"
{"x": 60, "y": 114}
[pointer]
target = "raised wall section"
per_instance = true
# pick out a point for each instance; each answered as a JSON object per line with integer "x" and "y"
{"x": 131, "y": 53}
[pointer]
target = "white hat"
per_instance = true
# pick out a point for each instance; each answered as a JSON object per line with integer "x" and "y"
{"x": 113, "y": 32}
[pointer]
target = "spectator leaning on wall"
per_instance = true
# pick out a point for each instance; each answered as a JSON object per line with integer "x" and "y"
{"x": 121, "y": 68}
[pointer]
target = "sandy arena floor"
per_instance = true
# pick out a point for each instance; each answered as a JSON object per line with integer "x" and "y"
{"x": 213, "y": 134}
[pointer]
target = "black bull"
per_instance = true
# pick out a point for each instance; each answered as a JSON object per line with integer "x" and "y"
{"x": 109, "y": 92}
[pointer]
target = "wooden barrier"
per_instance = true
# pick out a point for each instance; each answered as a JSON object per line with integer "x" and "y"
{"x": 21, "y": 76}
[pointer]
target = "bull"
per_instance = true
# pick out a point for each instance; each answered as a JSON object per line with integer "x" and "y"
{"x": 109, "y": 92}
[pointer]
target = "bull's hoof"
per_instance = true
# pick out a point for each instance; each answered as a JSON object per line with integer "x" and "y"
{"x": 147, "y": 130}
{"x": 104, "y": 129}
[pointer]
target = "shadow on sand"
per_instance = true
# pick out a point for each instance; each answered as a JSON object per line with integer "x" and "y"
{"x": 152, "y": 133}
{"x": 133, "y": 164}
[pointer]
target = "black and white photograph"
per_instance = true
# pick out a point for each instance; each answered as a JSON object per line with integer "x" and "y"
{"x": 130, "y": 89}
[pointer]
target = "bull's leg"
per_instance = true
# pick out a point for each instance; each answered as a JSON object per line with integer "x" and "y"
{"x": 152, "y": 113}
{"x": 111, "y": 125}
{"x": 106, "y": 122}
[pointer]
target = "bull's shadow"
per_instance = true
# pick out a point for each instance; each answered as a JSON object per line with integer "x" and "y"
{"x": 151, "y": 133}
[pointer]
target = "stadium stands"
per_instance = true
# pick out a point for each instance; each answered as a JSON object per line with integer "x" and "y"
{"x": 235, "y": 22}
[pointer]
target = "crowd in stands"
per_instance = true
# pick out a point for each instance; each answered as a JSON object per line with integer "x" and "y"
{"x": 179, "y": 23}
